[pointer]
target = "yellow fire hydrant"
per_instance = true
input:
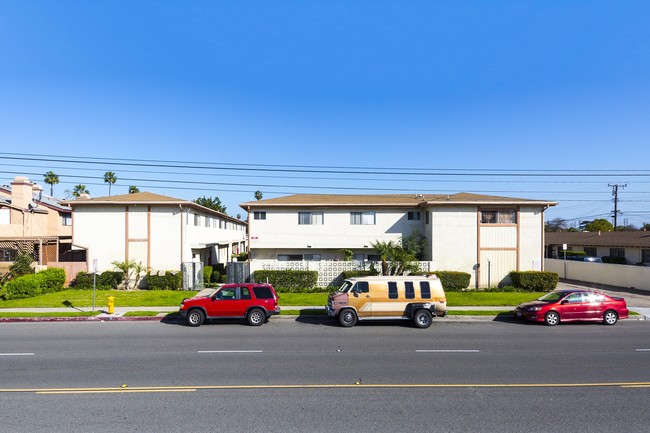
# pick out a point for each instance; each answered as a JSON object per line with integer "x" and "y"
{"x": 111, "y": 304}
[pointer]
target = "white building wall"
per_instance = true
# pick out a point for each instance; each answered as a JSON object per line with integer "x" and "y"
{"x": 165, "y": 242}
{"x": 101, "y": 230}
{"x": 280, "y": 230}
{"x": 453, "y": 238}
{"x": 531, "y": 254}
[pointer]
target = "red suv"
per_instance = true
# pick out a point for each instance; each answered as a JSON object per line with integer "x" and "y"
{"x": 253, "y": 302}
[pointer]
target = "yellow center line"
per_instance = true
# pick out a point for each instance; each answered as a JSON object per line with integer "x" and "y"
{"x": 322, "y": 386}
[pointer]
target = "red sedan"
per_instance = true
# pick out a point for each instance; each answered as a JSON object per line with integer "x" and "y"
{"x": 572, "y": 305}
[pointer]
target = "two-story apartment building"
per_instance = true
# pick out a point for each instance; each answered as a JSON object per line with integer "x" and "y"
{"x": 158, "y": 231}
{"x": 486, "y": 236}
{"x": 32, "y": 222}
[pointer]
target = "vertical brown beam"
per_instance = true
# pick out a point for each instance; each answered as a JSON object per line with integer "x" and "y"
{"x": 478, "y": 246}
{"x": 126, "y": 233}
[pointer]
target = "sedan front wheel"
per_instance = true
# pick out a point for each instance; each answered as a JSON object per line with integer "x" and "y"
{"x": 552, "y": 318}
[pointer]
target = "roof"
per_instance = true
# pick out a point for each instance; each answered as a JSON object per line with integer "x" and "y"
{"x": 44, "y": 200}
{"x": 390, "y": 200}
{"x": 144, "y": 198}
{"x": 639, "y": 239}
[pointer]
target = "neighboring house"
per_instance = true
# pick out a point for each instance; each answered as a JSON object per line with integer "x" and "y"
{"x": 158, "y": 231}
{"x": 633, "y": 246}
{"x": 33, "y": 223}
{"x": 485, "y": 236}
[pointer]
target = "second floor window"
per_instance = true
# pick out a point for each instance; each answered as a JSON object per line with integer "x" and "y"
{"x": 311, "y": 218}
{"x": 197, "y": 220}
{"x": 499, "y": 217}
{"x": 362, "y": 218}
{"x": 414, "y": 216}
{"x": 259, "y": 215}
{"x": 66, "y": 220}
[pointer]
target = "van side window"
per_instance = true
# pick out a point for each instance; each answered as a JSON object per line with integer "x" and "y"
{"x": 409, "y": 290}
{"x": 392, "y": 290}
{"x": 425, "y": 290}
{"x": 361, "y": 287}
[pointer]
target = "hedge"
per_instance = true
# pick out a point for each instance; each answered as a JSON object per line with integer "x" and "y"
{"x": 289, "y": 281}
{"x": 169, "y": 281}
{"x": 535, "y": 281}
{"x": 107, "y": 280}
{"x": 47, "y": 281}
{"x": 614, "y": 260}
{"x": 453, "y": 281}
{"x": 357, "y": 274}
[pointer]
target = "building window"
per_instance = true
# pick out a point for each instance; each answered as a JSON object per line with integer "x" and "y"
{"x": 290, "y": 257}
{"x": 499, "y": 217}
{"x": 66, "y": 220}
{"x": 591, "y": 251}
{"x": 7, "y": 255}
{"x": 414, "y": 216}
{"x": 426, "y": 217}
{"x": 392, "y": 290}
{"x": 197, "y": 220}
{"x": 617, "y": 252}
{"x": 362, "y": 218}
{"x": 310, "y": 218}
{"x": 207, "y": 221}
{"x": 645, "y": 255}
{"x": 259, "y": 215}
{"x": 374, "y": 258}
{"x": 312, "y": 257}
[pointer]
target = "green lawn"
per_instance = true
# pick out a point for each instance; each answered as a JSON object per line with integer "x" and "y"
{"x": 165, "y": 298}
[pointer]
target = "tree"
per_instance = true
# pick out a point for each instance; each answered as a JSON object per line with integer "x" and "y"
{"x": 110, "y": 179}
{"x": 414, "y": 244}
{"x": 138, "y": 268}
{"x": 133, "y": 189}
{"x": 645, "y": 227}
{"x": 556, "y": 225}
{"x": 626, "y": 228}
{"x": 126, "y": 267}
{"x": 79, "y": 189}
{"x": 51, "y": 179}
{"x": 599, "y": 224}
{"x": 385, "y": 251}
{"x": 22, "y": 265}
{"x": 401, "y": 260}
{"x": 258, "y": 195}
{"x": 211, "y": 203}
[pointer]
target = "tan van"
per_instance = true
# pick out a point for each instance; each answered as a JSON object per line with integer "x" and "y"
{"x": 416, "y": 298}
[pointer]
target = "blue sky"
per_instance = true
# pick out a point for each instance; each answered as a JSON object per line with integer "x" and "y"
{"x": 488, "y": 93}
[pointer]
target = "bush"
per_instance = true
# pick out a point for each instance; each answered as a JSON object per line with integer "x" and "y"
{"x": 289, "y": 281}
{"x": 169, "y": 281}
{"x": 207, "y": 274}
{"x": 27, "y": 286}
{"x": 453, "y": 281}
{"x": 215, "y": 277}
{"x": 107, "y": 280}
{"x": 535, "y": 281}
{"x": 22, "y": 266}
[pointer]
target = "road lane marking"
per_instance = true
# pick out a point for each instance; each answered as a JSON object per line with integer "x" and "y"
{"x": 448, "y": 351}
{"x": 230, "y": 351}
{"x": 642, "y": 350}
{"x": 324, "y": 386}
{"x": 16, "y": 354}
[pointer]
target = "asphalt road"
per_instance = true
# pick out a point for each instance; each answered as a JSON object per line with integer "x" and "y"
{"x": 296, "y": 377}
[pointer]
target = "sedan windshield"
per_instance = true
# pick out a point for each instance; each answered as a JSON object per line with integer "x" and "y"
{"x": 552, "y": 297}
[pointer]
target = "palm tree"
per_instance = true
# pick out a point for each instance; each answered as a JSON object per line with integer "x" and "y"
{"x": 51, "y": 179}
{"x": 110, "y": 179}
{"x": 126, "y": 267}
{"x": 385, "y": 251}
{"x": 258, "y": 195}
{"x": 79, "y": 189}
{"x": 133, "y": 189}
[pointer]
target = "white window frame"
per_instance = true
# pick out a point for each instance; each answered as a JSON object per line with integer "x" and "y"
{"x": 311, "y": 218}
{"x": 259, "y": 215}
{"x": 363, "y": 218}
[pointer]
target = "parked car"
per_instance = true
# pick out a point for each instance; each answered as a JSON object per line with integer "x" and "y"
{"x": 572, "y": 305}
{"x": 413, "y": 298}
{"x": 254, "y": 302}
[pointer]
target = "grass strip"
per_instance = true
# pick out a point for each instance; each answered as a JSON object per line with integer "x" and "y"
{"x": 48, "y": 314}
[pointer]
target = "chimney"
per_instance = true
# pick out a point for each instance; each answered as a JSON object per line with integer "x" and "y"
{"x": 21, "y": 192}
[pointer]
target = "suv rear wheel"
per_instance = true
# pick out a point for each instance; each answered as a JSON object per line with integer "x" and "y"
{"x": 255, "y": 317}
{"x": 422, "y": 318}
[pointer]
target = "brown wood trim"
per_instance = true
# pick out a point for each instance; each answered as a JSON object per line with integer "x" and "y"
{"x": 148, "y": 238}
{"x": 478, "y": 246}
{"x": 500, "y": 249}
{"x": 518, "y": 238}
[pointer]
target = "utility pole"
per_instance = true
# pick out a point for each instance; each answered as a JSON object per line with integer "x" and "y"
{"x": 615, "y": 188}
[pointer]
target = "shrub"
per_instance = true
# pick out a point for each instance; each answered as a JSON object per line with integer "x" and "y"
{"x": 535, "y": 281}
{"x": 27, "y": 286}
{"x": 22, "y": 266}
{"x": 453, "y": 281}
{"x": 215, "y": 277}
{"x": 169, "y": 281}
{"x": 107, "y": 280}
{"x": 573, "y": 254}
{"x": 289, "y": 281}
{"x": 207, "y": 274}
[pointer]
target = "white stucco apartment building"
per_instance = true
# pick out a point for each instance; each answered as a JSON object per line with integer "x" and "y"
{"x": 486, "y": 236}
{"x": 160, "y": 232}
